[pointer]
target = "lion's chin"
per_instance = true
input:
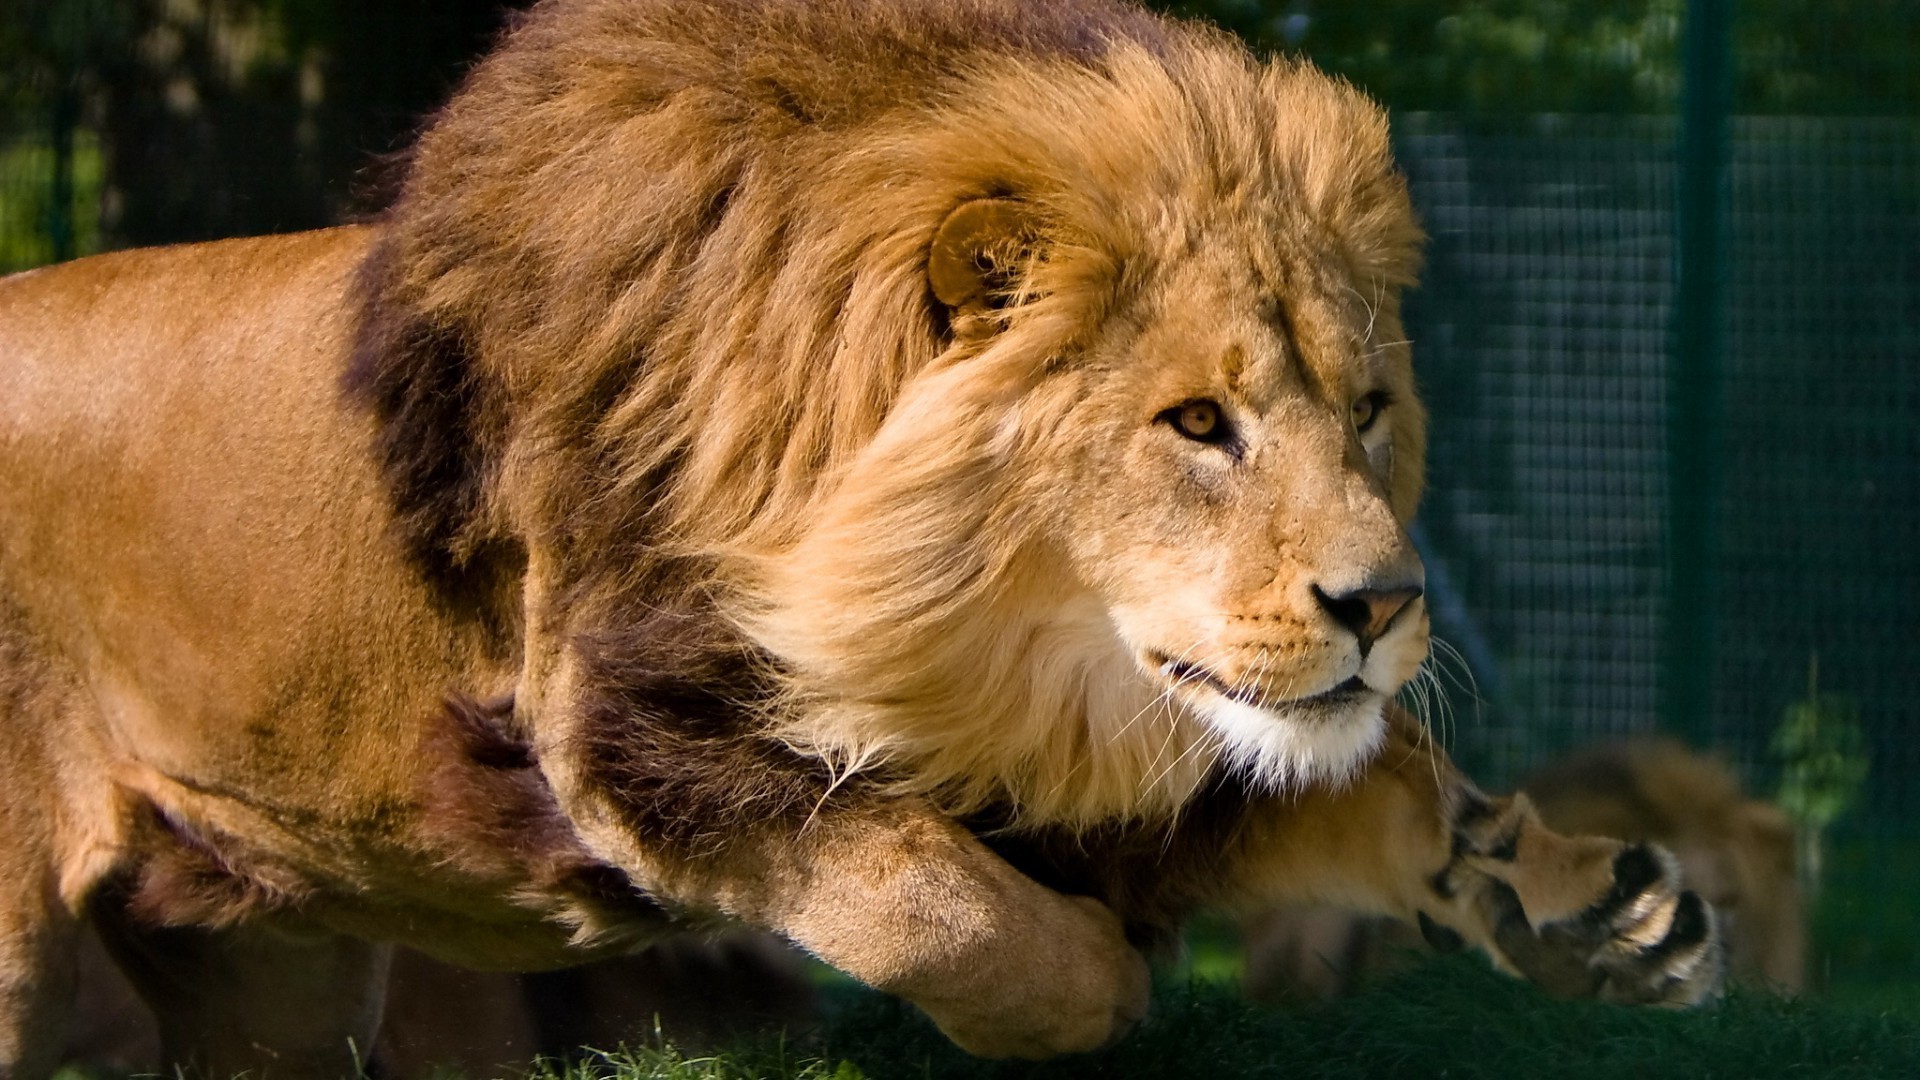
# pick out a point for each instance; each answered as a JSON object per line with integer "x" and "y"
{"x": 1296, "y": 745}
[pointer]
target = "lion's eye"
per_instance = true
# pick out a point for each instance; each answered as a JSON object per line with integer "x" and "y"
{"x": 1367, "y": 409}
{"x": 1199, "y": 420}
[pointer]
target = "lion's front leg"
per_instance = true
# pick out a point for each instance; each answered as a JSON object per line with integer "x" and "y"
{"x": 658, "y": 758}
{"x": 908, "y": 902}
{"x": 1412, "y": 838}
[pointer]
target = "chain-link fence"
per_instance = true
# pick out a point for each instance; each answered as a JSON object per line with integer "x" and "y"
{"x": 1670, "y": 331}
{"x": 1545, "y": 335}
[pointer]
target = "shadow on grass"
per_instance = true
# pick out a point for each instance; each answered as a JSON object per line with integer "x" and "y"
{"x": 1453, "y": 1018}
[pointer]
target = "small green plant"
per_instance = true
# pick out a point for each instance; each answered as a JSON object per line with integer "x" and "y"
{"x": 1823, "y": 758}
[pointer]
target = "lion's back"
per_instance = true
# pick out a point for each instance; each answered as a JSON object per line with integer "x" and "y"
{"x": 132, "y": 381}
{"x": 95, "y": 349}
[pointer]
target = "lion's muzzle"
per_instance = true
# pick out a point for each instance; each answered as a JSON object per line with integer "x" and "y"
{"x": 1369, "y": 612}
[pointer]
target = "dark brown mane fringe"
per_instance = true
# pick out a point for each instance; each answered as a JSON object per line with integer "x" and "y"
{"x": 674, "y": 732}
{"x": 187, "y": 877}
{"x": 488, "y": 805}
{"x": 437, "y": 438}
{"x": 1154, "y": 875}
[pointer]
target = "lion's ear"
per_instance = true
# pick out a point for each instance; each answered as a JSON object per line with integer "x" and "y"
{"x": 980, "y": 253}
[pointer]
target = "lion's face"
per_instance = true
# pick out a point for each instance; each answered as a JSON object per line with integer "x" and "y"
{"x": 1140, "y": 511}
{"x": 1239, "y": 446}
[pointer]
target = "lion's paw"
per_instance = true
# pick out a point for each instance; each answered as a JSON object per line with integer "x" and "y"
{"x": 1067, "y": 983}
{"x": 1646, "y": 940}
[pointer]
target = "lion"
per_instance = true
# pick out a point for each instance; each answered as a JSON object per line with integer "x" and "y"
{"x": 1735, "y": 850}
{"x": 925, "y": 479}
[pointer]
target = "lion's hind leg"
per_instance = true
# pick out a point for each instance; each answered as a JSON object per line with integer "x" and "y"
{"x": 39, "y": 931}
{"x": 253, "y": 998}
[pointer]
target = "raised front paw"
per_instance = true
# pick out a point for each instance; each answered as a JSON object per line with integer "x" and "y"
{"x": 1065, "y": 981}
{"x": 1584, "y": 916}
{"x": 1646, "y": 942}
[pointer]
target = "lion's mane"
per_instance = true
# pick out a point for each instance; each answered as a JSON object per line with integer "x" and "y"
{"x": 656, "y": 285}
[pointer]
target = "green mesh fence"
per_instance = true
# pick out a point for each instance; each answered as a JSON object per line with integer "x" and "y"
{"x": 1820, "y": 541}
{"x": 1544, "y": 334}
{"x": 1660, "y": 497}
{"x": 1541, "y": 335}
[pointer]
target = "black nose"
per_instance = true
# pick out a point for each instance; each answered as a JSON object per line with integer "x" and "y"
{"x": 1367, "y": 612}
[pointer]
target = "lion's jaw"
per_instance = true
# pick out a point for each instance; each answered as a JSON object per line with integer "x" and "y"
{"x": 1287, "y": 745}
{"x": 1319, "y": 736}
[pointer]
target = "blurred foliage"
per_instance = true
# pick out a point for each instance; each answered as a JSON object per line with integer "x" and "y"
{"x": 39, "y": 38}
{"x": 1823, "y": 759}
{"x": 224, "y": 117}
{"x": 1809, "y": 56}
{"x": 1822, "y": 751}
{"x": 26, "y": 209}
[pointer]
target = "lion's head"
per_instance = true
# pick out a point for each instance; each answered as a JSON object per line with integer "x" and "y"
{"x": 1029, "y": 385}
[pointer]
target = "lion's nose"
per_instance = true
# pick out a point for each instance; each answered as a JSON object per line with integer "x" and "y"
{"x": 1367, "y": 612}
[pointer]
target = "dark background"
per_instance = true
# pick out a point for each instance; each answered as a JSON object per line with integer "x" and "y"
{"x": 1670, "y": 334}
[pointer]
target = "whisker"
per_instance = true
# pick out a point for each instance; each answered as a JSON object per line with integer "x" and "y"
{"x": 1173, "y": 727}
{"x": 1165, "y": 692}
{"x": 1248, "y": 684}
{"x": 1192, "y": 748}
{"x": 1453, "y": 662}
{"x": 1371, "y": 308}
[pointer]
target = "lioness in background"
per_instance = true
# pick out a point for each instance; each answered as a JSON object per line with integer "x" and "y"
{"x": 924, "y": 478}
{"x": 1737, "y": 851}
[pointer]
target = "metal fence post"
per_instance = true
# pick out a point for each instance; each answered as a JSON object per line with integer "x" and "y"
{"x": 66, "y": 119}
{"x": 1693, "y": 377}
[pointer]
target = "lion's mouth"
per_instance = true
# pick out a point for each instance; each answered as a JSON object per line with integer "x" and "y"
{"x": 1183, "y": 674}
{"x": 1278, "y": 743}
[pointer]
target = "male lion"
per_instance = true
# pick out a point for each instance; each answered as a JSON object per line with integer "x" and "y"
{"x": 924, "y": 478}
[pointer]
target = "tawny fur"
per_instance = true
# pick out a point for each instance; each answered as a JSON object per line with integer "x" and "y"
{"x": 781, "y": 405}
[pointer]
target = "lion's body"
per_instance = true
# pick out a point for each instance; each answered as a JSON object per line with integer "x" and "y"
{"x": 765, "y": 443}
{"x": 247, "y": 649}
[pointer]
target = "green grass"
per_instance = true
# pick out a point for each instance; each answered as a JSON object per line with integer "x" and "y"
{"x": 1866, "y": 923}
{"x": 1452, "y": 1018}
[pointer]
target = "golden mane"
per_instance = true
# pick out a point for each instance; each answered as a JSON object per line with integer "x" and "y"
{"x": 662, "y": 276}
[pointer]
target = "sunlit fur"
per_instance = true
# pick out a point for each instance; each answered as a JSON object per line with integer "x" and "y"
{"x": 903, "y": 517}
{"x": 1281, "y": 750}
